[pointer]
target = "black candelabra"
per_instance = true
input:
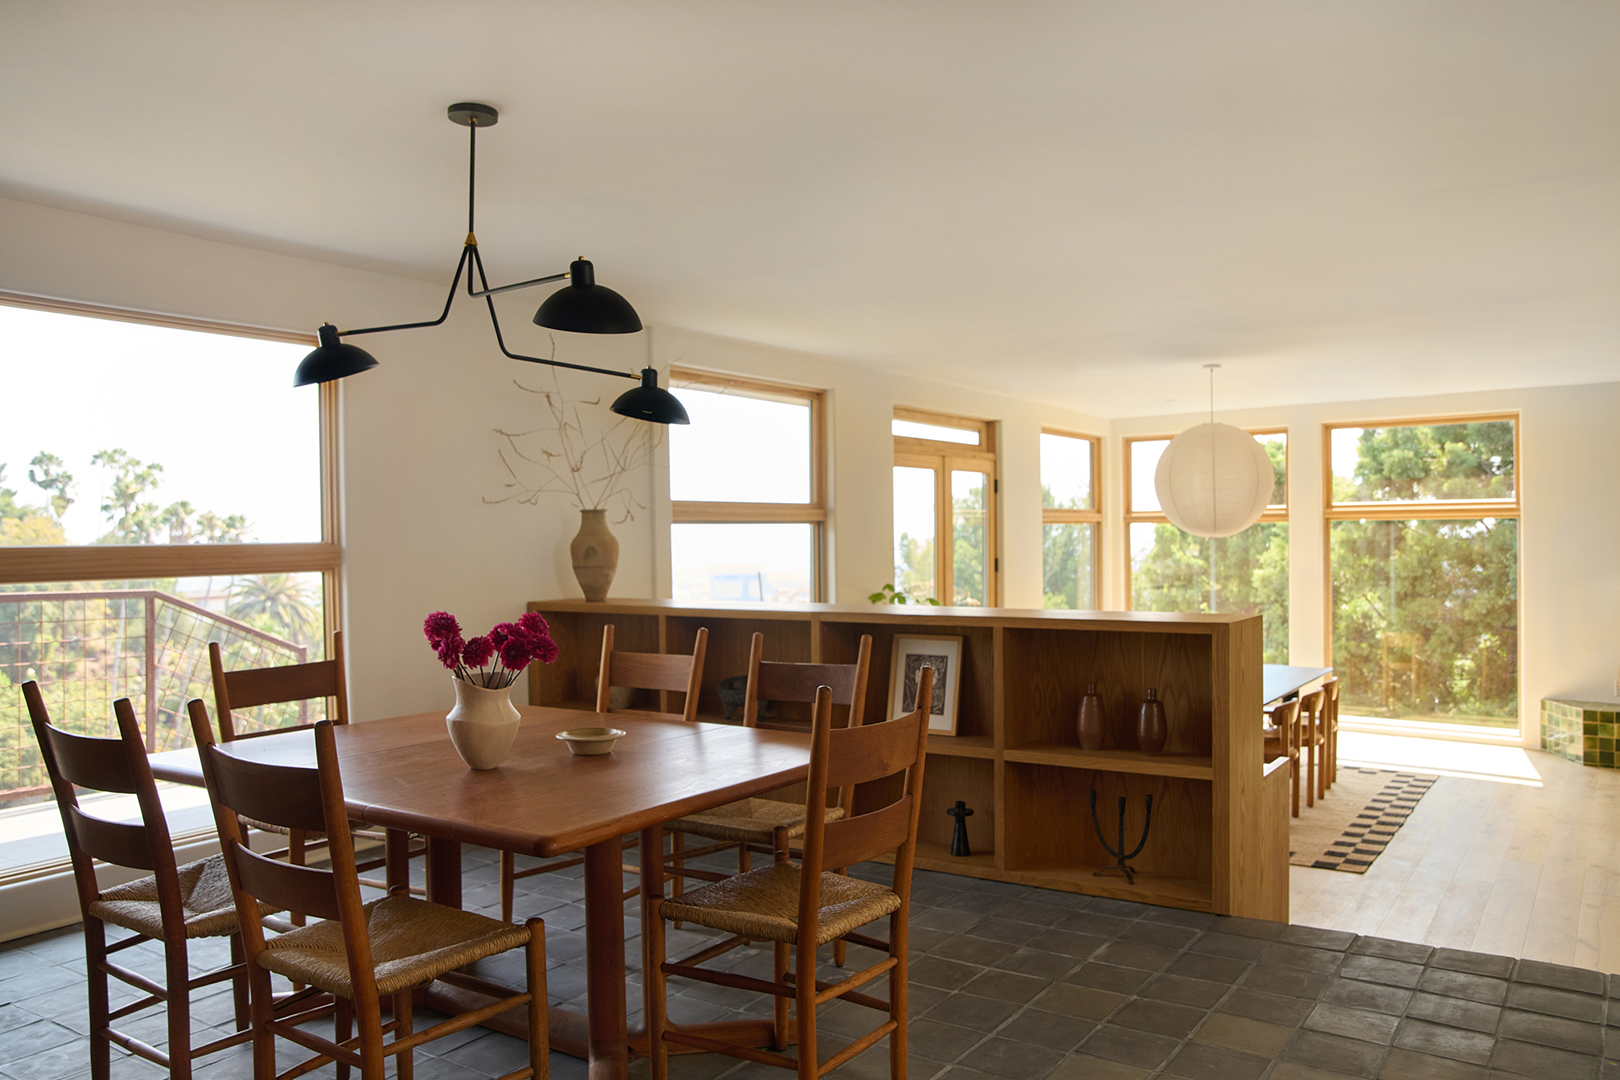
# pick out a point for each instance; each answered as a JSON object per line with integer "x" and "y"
{"x": 1119, "y": 854}
{"x": 959, "y": 840}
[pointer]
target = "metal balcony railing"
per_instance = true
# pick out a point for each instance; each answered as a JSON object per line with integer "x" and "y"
{"x": 87, "y": 649}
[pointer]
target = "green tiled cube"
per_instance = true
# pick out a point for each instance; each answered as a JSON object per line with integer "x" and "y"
{"x": 1584, "y": 731}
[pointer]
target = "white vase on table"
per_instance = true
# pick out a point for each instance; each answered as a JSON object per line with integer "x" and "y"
{"x": 483, "y": 724}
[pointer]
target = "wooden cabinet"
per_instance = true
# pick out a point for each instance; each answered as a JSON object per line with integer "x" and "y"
{"x": 1219, "y": 835}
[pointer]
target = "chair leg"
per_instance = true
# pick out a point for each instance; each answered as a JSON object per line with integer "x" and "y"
{"x": 898, "y": 985}
{"x": 262, "y": 1000}
{"x": 295, "y": 856}
{"x": 1293, "y": 771}
{"x": 342, "y": 1029}
{"x": 805, "y": 1008}
{"x": 508, "y": 868}
{"x": 534, "y": 959}
{"x": 779, "y": 969}
{"x": 654, "y": 1007}
{"x": 95, "y": 954}
{"x": 405, "y": 1065}
{"x": 368, "y": 1018}
{"x": 177, "y": 1004}
{"x": 1310, "y": 766}
{"x": 239, "y": 985}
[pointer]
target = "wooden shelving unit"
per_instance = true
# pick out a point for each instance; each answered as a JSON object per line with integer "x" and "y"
{"x": 1219, "y": 836}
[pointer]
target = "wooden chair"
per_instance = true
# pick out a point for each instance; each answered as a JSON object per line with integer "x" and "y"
{"x": 1330, "y": 726}
{"x": 799, "y": 907}
{"x": 1312, "y": 741}
{"x": 636, "y": 671}
{"x": 172, "y": 906}
{"x": 360, "y": 953}
{"x": 248, "y": 688}
{"x": 770, "y": 825}
{"x": 1397, "y": 642}
{"x": 1282, "y": 740}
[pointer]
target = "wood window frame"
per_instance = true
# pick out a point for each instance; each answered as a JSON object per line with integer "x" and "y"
{"x": 113, "y": 562}
{"x": 944, "y": 458}
{"x": 1411, "y": 510}
{"x": 813, "y": 513}
{"x": 1094, "y": 516}
{"x": 1272, "y": 513}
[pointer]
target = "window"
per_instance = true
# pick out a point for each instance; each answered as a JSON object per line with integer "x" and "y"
{"x": 165, "y": 486}
{"x": 748, "y": 484}
{"x": 1071, "y": 520}
{"x": 1423, "y": 545}
{"x": 945, "y": 500}
{"x": 1170, "y": 570}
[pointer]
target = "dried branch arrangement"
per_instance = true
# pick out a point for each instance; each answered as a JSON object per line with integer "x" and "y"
{"x": 562, "y": 455}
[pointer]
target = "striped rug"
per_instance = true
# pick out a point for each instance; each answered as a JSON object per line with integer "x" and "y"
{"x": 1361, "y": 814}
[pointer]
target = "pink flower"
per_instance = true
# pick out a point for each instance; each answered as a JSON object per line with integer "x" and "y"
{"x": 449, "y": 650}
{"x": 545, "y": 650}
{"x": 439, "y": 626}
{"x": 501, "y": 633}
{"x": 477, "y": 652}
{"x": 515, "y": 654}
{"x": 534, "y": 624}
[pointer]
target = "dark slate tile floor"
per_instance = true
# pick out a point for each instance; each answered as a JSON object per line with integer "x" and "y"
{"x": 1008, "y": 983}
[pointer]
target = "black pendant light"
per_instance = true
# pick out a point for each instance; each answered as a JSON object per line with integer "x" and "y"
{"x": 580, "y": 307}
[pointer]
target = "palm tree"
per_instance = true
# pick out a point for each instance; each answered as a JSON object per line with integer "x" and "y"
{"x": 279, "y": 603}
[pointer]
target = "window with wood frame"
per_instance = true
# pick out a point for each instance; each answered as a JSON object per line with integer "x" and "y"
{"x": 1167, "y": 569}
{"x": 1071, "y": 519}
{"x": 162, "y": 485}
{"x": 1423, "y": 548}
{"x": 945, "y": 485}
{"x": 748, "y": 487}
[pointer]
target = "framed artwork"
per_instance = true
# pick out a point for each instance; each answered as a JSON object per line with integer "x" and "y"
{"x": 911, "y": 655}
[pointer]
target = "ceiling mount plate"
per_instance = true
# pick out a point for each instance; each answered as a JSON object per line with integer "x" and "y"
{"x": 470, "y": 113}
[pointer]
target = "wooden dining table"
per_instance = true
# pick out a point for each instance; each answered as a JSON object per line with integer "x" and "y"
{"x": 403, "y": 774}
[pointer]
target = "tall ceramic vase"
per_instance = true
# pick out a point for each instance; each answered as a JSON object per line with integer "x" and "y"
{"x": 1092, "y": 728}
{"x": 596, "y": 554}
{"x": 483, "y": 723}
{"x": 1152, "y": 729}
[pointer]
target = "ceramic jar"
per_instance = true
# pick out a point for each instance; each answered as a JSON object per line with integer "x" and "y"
{"x": 1091, "y": 727}
{"x": 1152, "y": 730}
{"x": 483, "y": 723}
{"x": 595, "y": 552}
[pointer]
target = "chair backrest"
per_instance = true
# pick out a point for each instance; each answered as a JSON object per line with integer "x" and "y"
{"x": 652, "y": 671}
{"x": 1285, "y": 718}
{"x": 769, "y": 680}
{"x": 1330, "y": 703}
{"x": 294, "y": 797}
{"x": 843, "y": 758}
{"x": 247, "y": 688}
{"x": 108, "y": 765}
{"x": 1310, "y": 715}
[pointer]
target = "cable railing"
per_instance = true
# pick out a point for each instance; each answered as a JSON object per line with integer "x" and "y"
{"x": 87, "y": 649}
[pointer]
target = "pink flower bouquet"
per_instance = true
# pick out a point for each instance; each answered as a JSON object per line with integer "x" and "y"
{"x": 495, "y": 659}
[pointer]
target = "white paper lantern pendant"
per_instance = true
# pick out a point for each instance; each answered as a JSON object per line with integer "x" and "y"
{"x": 1213, "y": 479}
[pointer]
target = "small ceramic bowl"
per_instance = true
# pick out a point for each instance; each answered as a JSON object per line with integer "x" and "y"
{"x": 587, "y": 741}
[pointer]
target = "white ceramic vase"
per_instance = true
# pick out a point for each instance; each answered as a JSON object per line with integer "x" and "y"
{"x": 483, "y": 723}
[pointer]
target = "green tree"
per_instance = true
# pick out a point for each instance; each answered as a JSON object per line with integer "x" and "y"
{"x": 1066, "y": 558}
{"x": 47, "y": 473}
{"x": 914, "y": 567}
{"x": 279, "y": 604}
{"x": 22, "y": 525}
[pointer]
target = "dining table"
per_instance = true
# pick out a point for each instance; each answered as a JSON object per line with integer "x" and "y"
{"x": 402, "y": 774}
{"x": 1278, "y": 681}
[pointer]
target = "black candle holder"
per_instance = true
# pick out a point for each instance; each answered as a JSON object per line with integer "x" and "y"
{"x": 959, "y": 840}
{"x": 1120, "y": 857}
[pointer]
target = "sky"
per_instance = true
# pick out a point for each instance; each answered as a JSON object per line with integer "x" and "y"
{"x": 218, "y": 412}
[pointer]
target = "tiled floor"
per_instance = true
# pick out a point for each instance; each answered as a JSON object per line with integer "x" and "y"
{"x": 1015, "y": 983}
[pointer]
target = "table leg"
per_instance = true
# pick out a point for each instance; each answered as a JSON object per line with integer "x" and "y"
{"x": 604, "y": 960}
{"x": 444, "y": 872}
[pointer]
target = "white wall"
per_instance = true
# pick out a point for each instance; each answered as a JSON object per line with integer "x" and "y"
{"x": 1569, "y": 529}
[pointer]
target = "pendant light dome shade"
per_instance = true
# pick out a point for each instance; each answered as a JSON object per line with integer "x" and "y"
{"x": 1214, "y": 480}
{"x": 650, "y": 402}
{"x": 331, "y": 359}
{"x": 584, "y": 307}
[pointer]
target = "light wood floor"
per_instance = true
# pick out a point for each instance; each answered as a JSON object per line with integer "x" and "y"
{"x": 1512, "y": 852}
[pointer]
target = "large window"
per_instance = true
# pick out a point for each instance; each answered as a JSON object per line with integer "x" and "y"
{"x": 161, "y": 487}
{"x": 1171, "y": 570}
{"x": 748, "y": 482}
{"x": 1423, "y": 562}
{"x": 945, "y": 501}
{"x": 1071, "y": 520}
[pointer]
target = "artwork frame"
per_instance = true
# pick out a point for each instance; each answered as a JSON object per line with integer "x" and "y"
{"x": 943, "y": 654}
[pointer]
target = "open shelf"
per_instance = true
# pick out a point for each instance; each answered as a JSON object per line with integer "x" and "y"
{"x": 1149, "y": 888}
{"x": 1189, "y": 766}
{"x": 974, "y": 746}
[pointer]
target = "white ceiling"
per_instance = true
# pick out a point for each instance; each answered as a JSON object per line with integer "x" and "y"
{"x": 1081, "y": 201}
